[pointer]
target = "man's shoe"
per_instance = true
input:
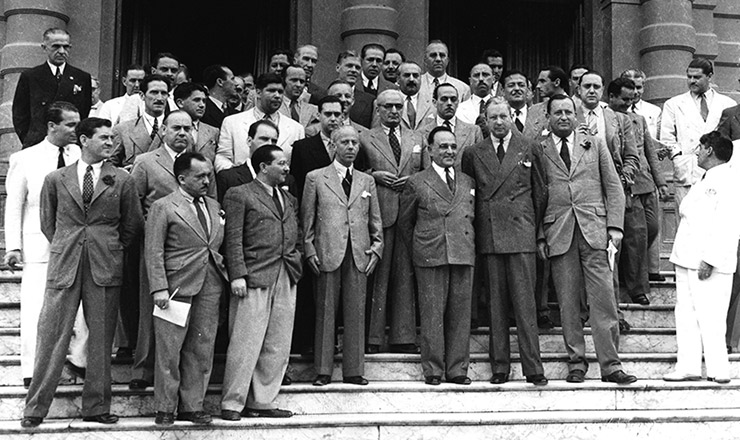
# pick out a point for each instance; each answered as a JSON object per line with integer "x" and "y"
{"x": 31, "y": 422}
{"x": 537, "y": 379}
{"x": 75, "y": 370}
{"x": 139, "y": 384}
{"x": 321, "y": 380}
{"x": 656, "y": 277}
{"x": 26, "y": 382}
{"x": 405, "y": 348}
{"x": 619, "y": 377}
{"x": 499, "y": 378}
{"x": 196, "y": 417}
{"x": 355, "y": 380}
{"x": 677, "y": 376}
{"x": 164, "y": 418}
{"x": 624, "y": 326}
{"x": 576, "y": 376}
{"x": 286, "y": 381}
{"x": 433, "y": 380}
{"x": 641, "y": 299}
{"x": 231, "y": 416}
{"x": 106, "y": 419}
{"x": 124, "y": 353}
{"x": 273, "y": 413}
{"x": 372, "y": 349}
{"x": 545, "y": 323}
{"x": 460, "y": 380}
{"x": 720, "y": 380}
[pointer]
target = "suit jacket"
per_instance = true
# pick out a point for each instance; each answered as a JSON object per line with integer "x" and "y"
{"x": 414, "y": 157}
{"x": 383, "y": 84}
{"x": 26, "y": 173}
{"x": 510, "y": 196}
{"x": 466, "y": 135}
{"x": 112, "y": 222}
{"x": 649, "y": 175}
{"x": 537, "y": 126}
{"x": 620, "y": 138}
{"x": 37, "y": 88}
{"x": 436, "y": 224}
{"x": 590, "y": 194}
{"x": 239, "y": 175}
{"x": 426, "y": 87}
{"x": 729, "y": 122}
{"x": 651, "y": 113}
{"x": 681, "y": 126}
{"x": 363, "y": 108}
{"x": 259, "y": 241}
{"x": 308, "y": 154}
{"x": 314, "y": 92}
{"x": 424, "y": 109}
{"x": 307, "y": 113}
{"x": 132, "y": 138}
{"x": 207, "y": 141}
{"x": 330, "y": 219}
{"x": 177, "y": 248}
{"x": 214, "y": 116}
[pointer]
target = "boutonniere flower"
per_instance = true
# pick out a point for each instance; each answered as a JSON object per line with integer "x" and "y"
{"x": 545, "y": 132}
{"x": 525, "y": 163}
{"x": 76, "y": 89}
{"x": 284, "y": 187}
{"x": 222, "y": 213}
{"x": 109, "y": 180}
{"x": 586, "y": 144}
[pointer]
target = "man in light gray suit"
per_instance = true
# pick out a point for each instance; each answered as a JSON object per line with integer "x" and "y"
{"x": 191, "y": 98}
{"x": 415, "y": 110}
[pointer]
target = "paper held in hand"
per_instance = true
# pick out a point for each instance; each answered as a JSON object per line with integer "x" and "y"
{"x": 176, "y": 311}
{"x": 611, "y": 251}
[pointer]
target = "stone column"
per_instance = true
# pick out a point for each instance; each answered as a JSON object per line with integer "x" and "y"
{"x": 368, "y": 21}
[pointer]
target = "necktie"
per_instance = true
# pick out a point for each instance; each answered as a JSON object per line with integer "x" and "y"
{"x": 347, "y": 183}
{"x": 591, "y": 121}
{"x": 564, "y": 153}
{"x": 633, "y": 108}
{"x": 450, "y": 180}
{"x": 294, "y": 111}
{"x": 276, "y": 201}
{"x": 482, "y": 106}
{"x": 703, "y": 106}
{"x": 447, "y": 124}
{"x": 436, "y": 83}
{"x": 411, "y": 112}
{"x": 500, "y": 152}
{"x": 395, "y": 145}
{"x": 201, "y": 214}
{"x": 370, "y": 89}
{"x": 87, "y": 187}
{"x": 58, "y": 74}
{"x": 517, "y": 121}
{"x": 155, "y": 128}
{"x": 60, "y": 159}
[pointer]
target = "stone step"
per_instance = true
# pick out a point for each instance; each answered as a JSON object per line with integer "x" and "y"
{"x": 10, "y": 286}
{"x": 404, "y": 397}
{"x": 10, "y": 341}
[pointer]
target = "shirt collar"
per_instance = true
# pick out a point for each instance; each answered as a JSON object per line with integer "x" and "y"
{"x": 341, "y": 169}
{"x": 373, "y": 81}
{"x": 54, "y": 68}
{"x": 218, "y": 103}
{"x": 441, "y": 171}
{"x": 173, "y": 154}
{"x": 96, "y": 166}
{"x": 441, "y": 122}
{"x": 495, "y": 141}
{"x": 324, "y": 138}
{"x": 387, "y": 130}
{"x": 571, "y": 138}
{"x": 187, "y": 196}
{"x": 259, "y": 114}
{"x": 267, "y": 187}
{"x": 442, "y": 79}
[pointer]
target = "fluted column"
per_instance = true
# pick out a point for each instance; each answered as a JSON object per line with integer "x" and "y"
{"x": 368, "y": 21}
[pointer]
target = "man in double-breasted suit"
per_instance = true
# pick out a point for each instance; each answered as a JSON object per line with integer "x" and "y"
{"x": 510, "y": 197}
{"x": 55, "y": 80}
{"x": 436, "y": 222}
{"x": 584, "y": 216}
{"x": 184, "y": 232}
{"x": 263, "y": 243}
{"x": 393, "y": 154}
{"x": 343, "y": 243}
{"x": 144, "y": 133}
{"x": 90, "y": 214}
{"x": 191, "y": 98}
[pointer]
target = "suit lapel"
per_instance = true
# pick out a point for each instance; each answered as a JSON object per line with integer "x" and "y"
{"x": 164, "y": 160}
{"x": 140, "y": 137}
{"x": 331, "y": 179}
{"x": 578, "y": 151}
{"x": 105, "y": 171}
{"x": 383, "y": 145}
{"x": 611, "y": 126}
{"x": 511, "y": 158}
{"x": 266, "y": 199}
{"x": 213, "y": 213}
{"x": 552, "y": 153}
{"x": 185, "y": 211}
{"x": 461, "y": 133}
{"x": 407, "y": 148}
{"x": 354, "y": 191}
{"x": 435, "y": 183}
{"x": 72, "y": 183}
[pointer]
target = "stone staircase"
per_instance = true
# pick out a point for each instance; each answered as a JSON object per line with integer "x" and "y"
{"x": 398, "y": 405}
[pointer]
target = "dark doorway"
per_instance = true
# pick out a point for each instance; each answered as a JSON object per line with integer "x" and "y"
{"x": 529, "y": 33}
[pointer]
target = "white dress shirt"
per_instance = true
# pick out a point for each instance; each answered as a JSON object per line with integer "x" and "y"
{"x": 558, "y": 143}
{"x": 82, "y": 169}
{"x": 441, "y": 172}
{"x": 201, "y": 201}
{"x": 469, "y": 110}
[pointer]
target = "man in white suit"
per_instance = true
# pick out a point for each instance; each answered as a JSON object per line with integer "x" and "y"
{"x": 26, "y": 245}
{"x": 481, "y": 82}
{"x": 436, "y": 59}
{"x": 685, "y": 119}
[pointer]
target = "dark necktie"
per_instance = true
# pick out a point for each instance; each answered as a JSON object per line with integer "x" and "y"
{"x": 395, "y": 145}
{"x": 155, "y": 129}
{"x": 436, "y": 83}
{"x": 370, "y": 89}
{"x": 500, "y": 150}
{"x": 411, "y": 112}
{"x": 276, "y": 201}
{"x": 564, "y": 153}
{"x": 704, "y": 109}
{"x": 294, "y": 111}
{"x": 58, "y": 75}
{"x": 447, "y": 124}
{"x": 60, "y": 159}
{"x": 347, "y": 183}
{"x": 87, "y": 187}
{"x": 633, "y": 109}
{"x": 482, "y": 106}
{"x": 450, "y": 180}
{"x": 201, "y": 214}
{"x": 517, "y": 122}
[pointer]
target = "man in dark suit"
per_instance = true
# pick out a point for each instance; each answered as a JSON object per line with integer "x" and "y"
{"x": 221, "y": 88}
{"x": 393, "y": 155}
{"x": 55, "y": 80}
{"x": 436, "y": 222}
{"x": 343, "y": 90}
{"x": 729, "y": 123}
{"x": 184, "y": 232}
{"x": 348, "y": 69}
{"x": 90, "y": 214}
{"x": 263, "y": 243}
{"x": 343, "y": 243}
{"x": 391, "y": 62}
{"x": 306, "y": 57}
{"x": 371, "y": 81}
{"x": 582, "y": 220}
{"x": 510, "y": 199}
{"x": 192, "y": 98}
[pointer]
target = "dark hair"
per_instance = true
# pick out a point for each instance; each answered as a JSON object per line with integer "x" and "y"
{"x": 88, "y": 126}
{"x": 720, "y": 144}
{"x": 702, "y": 63}
{"x": 54, "y": 111}
{"x": 435, "y": 130}
{"x": 365, "y": 48}
{"x": 615, "y": 87}
{"x": 555, "y": 72}
{"x": 284, "y": 73}
{"x": 590, "y": 72}
{"x": 184, "y": 90}
{"x": 328, "y": 99}
{"x": 346, "y": 54}
{"x": 175, "y": 113}
{"x": 184, "y": 161}
{"x": 394, "y": 50}
{"x": 54, "y": 30}
{"x": 577, "y": 66}
{"x": 263, "y": 154}
{"x": 131, "y": 67}
{"x": 435, "y": 92}
{"x": 252, "y": 132}
{"x": 285, "y": 52}
{"x": 558, "y": 97}
{"x": 512, "y": 72}
{"x": 633, "y": 73}
{"x": 153, "y": 77}
{"x": 161, "y": 55}
{"x": 337, "y": 81}
{"x": 266, "y": 79}
{"x": 213, "y": 73}
{"x": 490, "y": 53}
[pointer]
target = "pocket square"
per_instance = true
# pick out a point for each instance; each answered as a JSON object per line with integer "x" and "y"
{"x": 365, "y": 194}
{"x": 472, "y": 192}
{"x": 416, "y": 149}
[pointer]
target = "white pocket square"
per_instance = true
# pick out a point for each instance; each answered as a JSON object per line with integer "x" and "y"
{"x": 365, "y": 194}
{"x": 417, "y": 149}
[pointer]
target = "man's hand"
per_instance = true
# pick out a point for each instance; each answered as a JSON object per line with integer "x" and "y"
{"x": 543, "y": 250}
{"x": 664, "y": 193}
{"x": 161, "y": 298}
{"x": 583, "y": 129}
{"x": 239, "y": 287}
{"x": 399, "y": 183}
{"x": 373, "y": 261}
{"x": 13, "y": 259}
{"x": 313, "y": 263}
{"x": 705, "y": 270}
{"x": 384, "y": 178}
{"x": 664, "y": 152}
{"x": 615, "y": 235}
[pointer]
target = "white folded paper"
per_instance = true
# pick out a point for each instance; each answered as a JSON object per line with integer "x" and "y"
{"x": 176, "y": 312}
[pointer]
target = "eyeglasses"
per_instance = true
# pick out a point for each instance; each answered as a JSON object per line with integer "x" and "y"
{"x": 392, "y": 106}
